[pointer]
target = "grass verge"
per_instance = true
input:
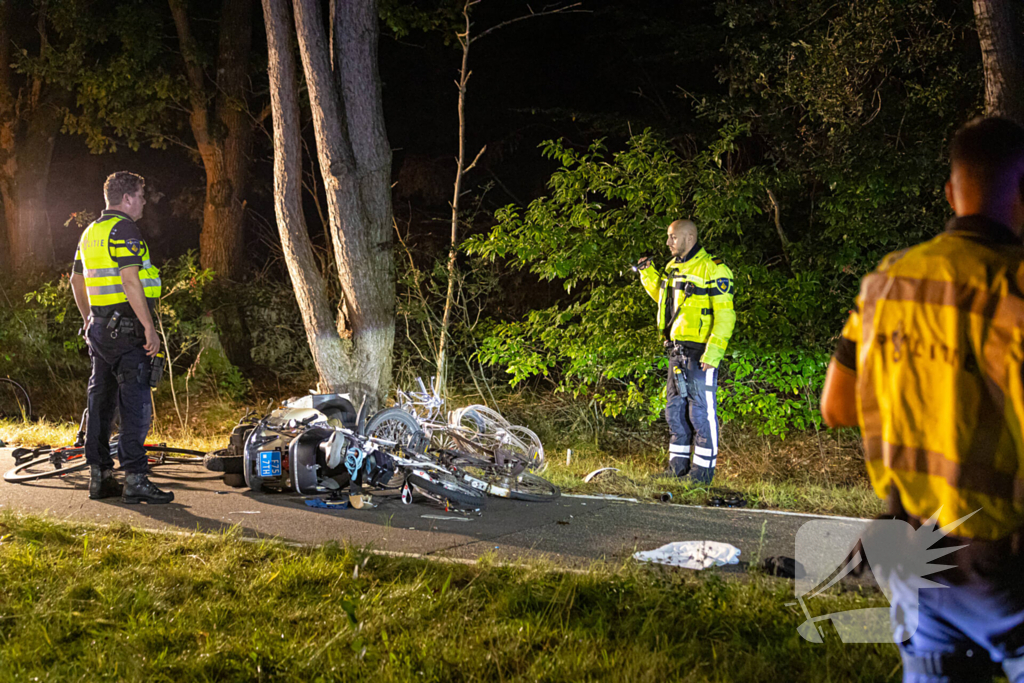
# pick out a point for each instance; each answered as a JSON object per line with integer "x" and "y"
{"x": 80, "y": 603}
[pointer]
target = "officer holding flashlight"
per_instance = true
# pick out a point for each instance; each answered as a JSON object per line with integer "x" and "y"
{"x": 116, "y": 289}
{"x": 696, "y": 318}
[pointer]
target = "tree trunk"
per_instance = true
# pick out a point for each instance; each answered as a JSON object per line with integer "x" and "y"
{"x": 29, "y": 238}
{"x": 30, "y": 120}
{"x": 325, "y": 344}
{"x": 7, "y": 119}
{"x": 223, "y": 135}
{"x": 355, "y": 162}
{"x": 441, "y": 381}
{"x": 222, "y": 240}
{"x": 1004, "y": 75}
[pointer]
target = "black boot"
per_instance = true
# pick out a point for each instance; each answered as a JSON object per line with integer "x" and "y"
{"x": 102, "y": 483}
{"x": 138, "y": 488}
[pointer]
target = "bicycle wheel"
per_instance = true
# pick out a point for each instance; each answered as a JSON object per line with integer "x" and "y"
{"x": 479, "y": 474}
{"x": 465, "y": 442}
{"x": 479, "y": 418}
{"x": 534, "y": 447}
{"x": 394, "y": 424}
{"x": 15, "y": 403}
{"x": 529, "y": 487}
{"x": 57, "y": 463}
{"x": 499, "y": 480}
{"x": 160, "y": 454}
{"x": 446, "y": 487}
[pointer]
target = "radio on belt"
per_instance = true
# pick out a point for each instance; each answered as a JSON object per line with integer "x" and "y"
{"x": 156, "y": 369}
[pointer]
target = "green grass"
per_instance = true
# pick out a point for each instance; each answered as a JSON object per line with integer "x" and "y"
{"x": 637, "y": 480}
{"x": 81, "y": 604}
{"x": 772, "y": 489}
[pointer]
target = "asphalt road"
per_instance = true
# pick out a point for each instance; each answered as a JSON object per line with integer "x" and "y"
{"x": 571, "y": 531}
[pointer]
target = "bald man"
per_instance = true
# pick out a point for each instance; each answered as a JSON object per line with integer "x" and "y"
{"x": 696, "y": 319}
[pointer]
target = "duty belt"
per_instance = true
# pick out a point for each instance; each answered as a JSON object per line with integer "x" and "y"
{"x": 680, "y": 349}
{"x": 674, "y": 348}
{"x": 124, "y": 325}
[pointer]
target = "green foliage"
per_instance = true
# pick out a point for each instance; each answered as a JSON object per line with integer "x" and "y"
{"x": 435, "y": 16}
{"x": 113, "y": 57}
{"x": 180, "y": 313}
{"x": 601, "y": 216}
{"x": 780, "y": 389}
{"x": 837, "y": 118}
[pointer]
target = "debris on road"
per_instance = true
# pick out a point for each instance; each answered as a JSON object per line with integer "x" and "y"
{"x": 600, "y": 496}
{"x": 728, "y": 500}
{"x": 330, "y": 504}
{"x": 691, "y": 554}
{"x": 782, "y": 566}
{"x": 589, "y": 477}
{"x": 447, "y": 517}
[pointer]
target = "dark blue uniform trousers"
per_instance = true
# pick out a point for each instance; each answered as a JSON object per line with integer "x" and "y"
{"x": 120, "y": 380}
{"x": 962, "y": 629}
{"x": 692, "y": 417}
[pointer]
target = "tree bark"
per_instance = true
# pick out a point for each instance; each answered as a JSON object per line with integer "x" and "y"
{"x": 7, "y": 110}
{"x": 1000, "y": 54}
{"x": 223, "y": 133}
{"x": 325, "y": 344}
{"x": 355, "y": 162}
{"x": 29, "y": 123}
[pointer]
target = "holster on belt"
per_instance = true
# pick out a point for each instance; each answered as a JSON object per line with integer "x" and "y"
{"x": 121, "y": 325}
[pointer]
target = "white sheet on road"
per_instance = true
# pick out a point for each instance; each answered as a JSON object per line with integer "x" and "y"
{"x": 692, "y": 554}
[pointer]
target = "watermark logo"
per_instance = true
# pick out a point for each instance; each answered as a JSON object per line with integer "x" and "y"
{"x": 898, "y": 557}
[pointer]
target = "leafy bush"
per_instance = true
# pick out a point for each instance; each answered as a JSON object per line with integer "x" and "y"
{"x": 827, "y": 154}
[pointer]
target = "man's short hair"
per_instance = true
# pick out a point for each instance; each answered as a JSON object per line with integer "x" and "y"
{"x": 989, "y": 147}
{"x": 121, "y": 183}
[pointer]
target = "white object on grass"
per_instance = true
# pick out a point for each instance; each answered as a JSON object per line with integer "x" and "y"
{"x": 691, "y": 554}
{"x": 568, "y": 455}
{"x": 596, "y": 472}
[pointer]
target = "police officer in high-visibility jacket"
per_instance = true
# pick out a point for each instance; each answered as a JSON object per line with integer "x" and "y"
{"x": 116, "y": 288}
{"x": 930, "y": 366}
{"x": 696, "y": 319}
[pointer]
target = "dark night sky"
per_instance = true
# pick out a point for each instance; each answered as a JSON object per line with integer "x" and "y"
{"x": 579, "y": 76}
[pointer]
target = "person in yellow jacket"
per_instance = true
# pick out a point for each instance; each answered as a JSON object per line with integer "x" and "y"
{"x": 696, "y": 319}
{"x": 116, "y": 289}
{"x": 930, "y": 366}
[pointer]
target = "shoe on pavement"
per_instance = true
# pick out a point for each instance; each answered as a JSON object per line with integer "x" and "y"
{"x": 139, "y": 489}
{"x": 102, "y": 483}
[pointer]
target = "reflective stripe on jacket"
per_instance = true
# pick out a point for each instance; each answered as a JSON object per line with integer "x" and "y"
{"x": 705, "y": 315}
{"x": 99, "y": 256}
{"x": 940, "y": 377}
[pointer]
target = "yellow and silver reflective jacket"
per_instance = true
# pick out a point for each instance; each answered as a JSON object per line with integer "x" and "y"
{"x": 107, "y": 246}
{"x": 940, "y": 377}
{"x": 694, "y": 302}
